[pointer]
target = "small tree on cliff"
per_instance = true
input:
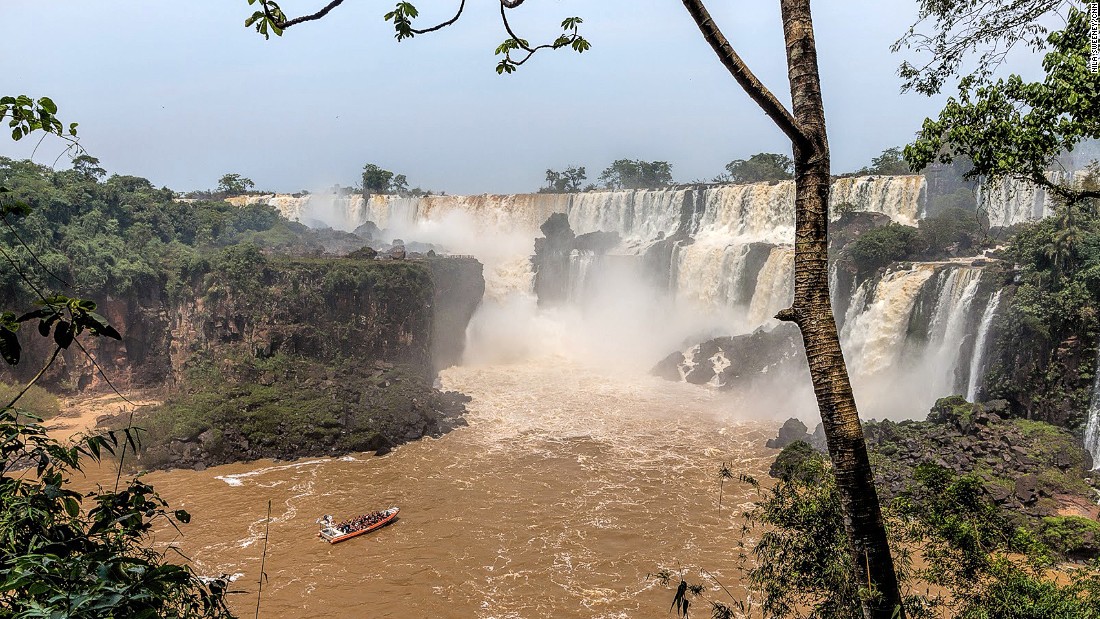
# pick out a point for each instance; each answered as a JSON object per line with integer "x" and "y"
{"x": 376, "y": 179}
{"x": 568, "y": 181}
{"x": 804, "y": 125}
{"x": 637, "y": 174}
{"x": 759, "y": 168}
{"x": 889, "y": 163}
{"x": 234, "y": 184}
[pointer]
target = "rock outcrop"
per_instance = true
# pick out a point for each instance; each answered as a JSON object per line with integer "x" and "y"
{"x": 738, "y": 361}
{"x": 1038, "y": 473}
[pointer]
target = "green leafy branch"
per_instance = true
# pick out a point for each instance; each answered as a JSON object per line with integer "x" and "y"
{"x": 571, "y": 38}
{"x": 1017, "y": 129}
{"x": 270, "y": 19}
{"x": 65, "y": 317}
{"x": 26, "y": 115}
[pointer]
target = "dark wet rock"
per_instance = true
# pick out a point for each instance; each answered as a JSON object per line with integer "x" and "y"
{"x": 367, "y": 230}
{"x": 311, "y": 410}
{"x": 738, "y": 361}
{"x": 1000, "y": 494}
{"x": 700, "y": 374}
{"x": 597, "y": 242}
{"x": 669, "y": 367}
{"x": 1027, "y": 489}
{"x": 792, "y": 430}
{"x": 556, "y": 250}
{"x": 364, "y": 253}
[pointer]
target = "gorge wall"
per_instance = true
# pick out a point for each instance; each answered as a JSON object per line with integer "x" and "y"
{"x": 412, "y": 313}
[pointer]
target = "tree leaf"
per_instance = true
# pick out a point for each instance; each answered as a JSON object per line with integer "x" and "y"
{"x": 9, "y": 346}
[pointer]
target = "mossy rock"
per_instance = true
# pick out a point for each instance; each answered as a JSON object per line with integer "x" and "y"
{"x": 1075, "y": 537}
{"x": 798, "y": 460}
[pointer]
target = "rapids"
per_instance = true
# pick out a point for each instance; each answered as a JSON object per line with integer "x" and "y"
{"x": 566, "y": 490}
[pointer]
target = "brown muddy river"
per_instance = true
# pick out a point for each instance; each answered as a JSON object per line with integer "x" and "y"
{"x": 566, "y": 490}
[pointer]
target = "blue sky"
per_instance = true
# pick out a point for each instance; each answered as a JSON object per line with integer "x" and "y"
{"x": 181, "y": 92}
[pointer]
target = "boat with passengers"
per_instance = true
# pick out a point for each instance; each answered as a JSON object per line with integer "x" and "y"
{"x": 334, "y": 533}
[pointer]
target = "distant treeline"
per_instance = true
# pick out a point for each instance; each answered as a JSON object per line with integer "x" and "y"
{"x": 759, "y": 168}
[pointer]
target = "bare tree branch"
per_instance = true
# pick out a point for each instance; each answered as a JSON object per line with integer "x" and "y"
{"x": 461, "y": 6}
{"x": 748, "y": 81}
{"x": 284, "y": 24}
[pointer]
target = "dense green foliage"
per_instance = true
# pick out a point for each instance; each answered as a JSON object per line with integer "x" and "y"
{"x": 637, "y": 174}
{"x": 950, "y": 232}
{"x": 973, "y": 562}
{"x": 63, "y": 554}
{"x": 246, "y": 407}
{"x": 60, "y": 556}
{"x": 880, "y": 246}
{"x": 761, "y": 167}
{"x": 1054, "y": 311}
{"x": 110, "y": 237}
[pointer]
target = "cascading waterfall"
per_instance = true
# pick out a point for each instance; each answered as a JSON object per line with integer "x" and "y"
{"x": 774, "y": 286}
{"x": 729, "y": 269}
{"x": 873, "y": 337}
{"x": 760, "y": 211}
{"x": 709, "y": 272}
{"x": 1092, "y": 429}
{"x": 580, "y": 264}
{"x": 900, "y": 199}
{"x": 949, "y": 324}
{"x": 1010, "y": 201}
{"x": 977, "y": 369}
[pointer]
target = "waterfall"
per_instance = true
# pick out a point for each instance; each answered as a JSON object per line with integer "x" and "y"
{"x": 580, "y": 263}
{"x": 873, "y": 336}
{"x": 708, "y": 272}
{"x": 977, "y": 370}
{"x": 1092, "y": 429}
{"x": 896, "y": 196}
{"x": 774, "y": 286}
{"x": 1010, "y": 201}
{"x": 949, "y": 324}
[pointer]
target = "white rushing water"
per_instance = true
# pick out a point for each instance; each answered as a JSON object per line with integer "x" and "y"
{"x": 1009, "y": 201}
{"x": 949, "y": 325}
{"x": 977, "y": 367}
{"x": 873, "y": 337}
{"x": 1092, "y": 428}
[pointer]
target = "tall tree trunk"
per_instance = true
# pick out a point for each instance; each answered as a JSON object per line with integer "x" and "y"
{"x": 812, "y": 311}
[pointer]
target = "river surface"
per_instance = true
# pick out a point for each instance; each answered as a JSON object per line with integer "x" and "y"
{"x": 565, "y": 492}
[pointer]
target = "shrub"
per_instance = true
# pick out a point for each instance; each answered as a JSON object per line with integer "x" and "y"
{"x": 879, "y": 247}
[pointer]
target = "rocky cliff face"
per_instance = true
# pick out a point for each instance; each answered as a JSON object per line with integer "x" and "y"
{"x": 412, "y": 313}
{"x": 458, "y": 284}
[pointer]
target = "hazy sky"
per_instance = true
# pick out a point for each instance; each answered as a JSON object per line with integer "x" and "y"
{"x": 181, "y": 92}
